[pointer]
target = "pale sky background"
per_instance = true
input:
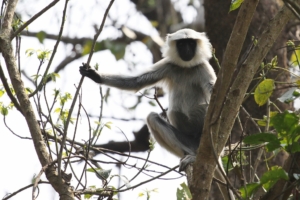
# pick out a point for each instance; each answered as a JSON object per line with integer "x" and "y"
{"x": 19, "y": 162}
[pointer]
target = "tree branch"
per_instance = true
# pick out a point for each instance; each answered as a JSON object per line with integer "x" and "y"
{"x": 7, "y": 89}
{"x": 59, "y": 185}
{"x": 224, "y": 108}
{"x": 34, "y": 18}
{"x": 203, "y": 171}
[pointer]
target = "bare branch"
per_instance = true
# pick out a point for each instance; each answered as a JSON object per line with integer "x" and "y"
{"x": 7, "y": 51}
{"x": 79, "y": 86}
{"x": 34, "y": 18}
{"x": 7, "y": 89}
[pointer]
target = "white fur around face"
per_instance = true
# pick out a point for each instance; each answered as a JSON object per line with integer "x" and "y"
{"x": 203, "y": 49}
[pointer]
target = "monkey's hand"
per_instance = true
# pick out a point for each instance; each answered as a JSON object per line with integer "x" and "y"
{"x": 85, "y": 70}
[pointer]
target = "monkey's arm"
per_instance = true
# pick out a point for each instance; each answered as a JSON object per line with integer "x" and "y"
{"x": 127, "y": 82}
{"x": 208, "y": 77}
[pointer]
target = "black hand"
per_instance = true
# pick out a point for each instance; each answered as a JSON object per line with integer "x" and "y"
{"x": 85, "y": 70}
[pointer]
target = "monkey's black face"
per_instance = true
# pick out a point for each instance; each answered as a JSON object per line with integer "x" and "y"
{"x": 186, "y": 48}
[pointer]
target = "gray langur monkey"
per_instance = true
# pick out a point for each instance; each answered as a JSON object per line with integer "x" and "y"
{"x": 189, "y": 79}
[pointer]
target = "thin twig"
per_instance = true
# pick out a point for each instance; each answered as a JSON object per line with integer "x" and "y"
{"x": 33, "y": 18}
{"x": 220, "y": 167}
{"x": 24, "y": 188}
{"x": 46, "y": 72}
{"x": 9, "y": 93}
{"x": 80, "y": 83}
{"x": 13, "y": 131}
{"x": 39, "y": 87}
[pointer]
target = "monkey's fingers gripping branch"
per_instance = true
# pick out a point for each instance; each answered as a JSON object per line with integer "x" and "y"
{"x": 86, "y": 70}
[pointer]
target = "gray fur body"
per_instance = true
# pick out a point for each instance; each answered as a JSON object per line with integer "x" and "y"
{"x": 189, "y": 91}
{"x": 189, "y": 80}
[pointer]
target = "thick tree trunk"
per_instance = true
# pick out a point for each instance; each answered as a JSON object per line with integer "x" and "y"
{"x": 219, "y": 24}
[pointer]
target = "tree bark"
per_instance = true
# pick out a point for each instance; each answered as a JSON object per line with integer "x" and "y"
{"x": 220, "y": 122}
{"x": 64, "y": 190}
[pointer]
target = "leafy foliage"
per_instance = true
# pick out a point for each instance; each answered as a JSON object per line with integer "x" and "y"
{"x": 263, "y": 91}
{"x": 41, "y": 54}
{"x": 287, "y": 134}
{"x": 267, "y": 180}
{"x": 116, "y": 48}
{"x": 183, "y": 193}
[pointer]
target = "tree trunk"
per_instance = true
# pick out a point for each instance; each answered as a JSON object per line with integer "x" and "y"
{"x": 219, "y": 25}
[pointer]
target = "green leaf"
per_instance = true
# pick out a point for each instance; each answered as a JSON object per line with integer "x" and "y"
{"x": 64, "y": 98}
{"x": 151, "y": 144}
{"x": 53, "y": 76}
{"x": 4, "y": 110}
{"x": 274, "y": 62}
{"x": 251, "y": 188}
{"x": 227, "y": 166}
{"x": 294, "y": 147}
{"x": 43, "y": 54}
{"x": 272, "y": 141}
{"x": 269, "y": 178}
{"x": 285, "y": 122}
{"x": 184, "y": 193}
{"x": 141, "y": 194}
{"x": 260, "y": 138}
{"x": 29, "y": 52}
{"x": 295, "y": 55}
{"x": 2, "y": 92}
{"x": 97, "y": 122}
{"x": 271, "y": 146}
{"x": 262, "y": 122}
{"x": 296, "y": 93}
{"x": 92, "y": 169}
{"x": 87, "y": 196}
{"x": 117, "y": 49}
{"x": 87, "y": 47}
{"x": 57, "y": 110}
{"x": 151, "y": 103}
{"x": 290, "y": 43}
{"x": 41, "y": 36}
{"x": 96, "y": 66}
{"x": 108, "y": 125}
{"x": 235, "y": 4}
{"x": 103, "y": 174}
{"x": 28, "y": 90}
{"x": 263, "y": 91}
{"x": 100, "y": 173}
{"x": 99, "y": 46}
{"x": 56, "y": 92}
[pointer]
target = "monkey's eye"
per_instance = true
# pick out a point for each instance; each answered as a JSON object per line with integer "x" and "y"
{"x": 186, "y": 42}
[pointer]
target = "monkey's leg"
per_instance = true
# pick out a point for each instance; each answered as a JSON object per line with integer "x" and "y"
{"x": 164, "y": 134}
{"x": 172, "y": 139}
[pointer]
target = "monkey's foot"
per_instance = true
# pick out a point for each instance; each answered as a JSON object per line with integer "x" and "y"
{"x": 185, "y": 161}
